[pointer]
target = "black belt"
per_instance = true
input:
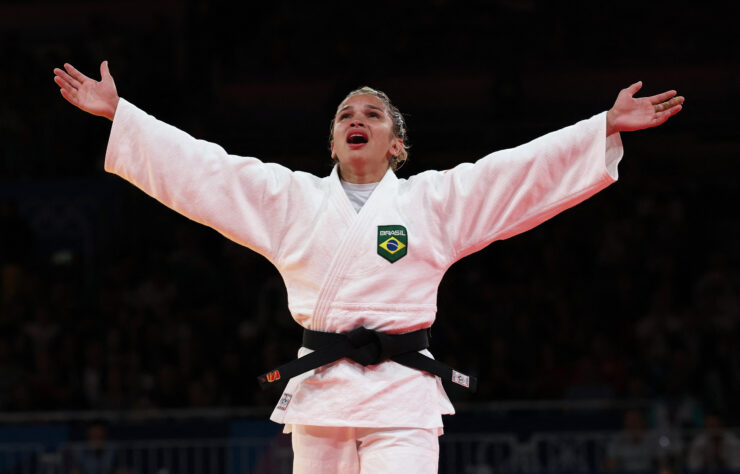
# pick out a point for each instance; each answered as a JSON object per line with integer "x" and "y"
{"x": 365, "y": 347}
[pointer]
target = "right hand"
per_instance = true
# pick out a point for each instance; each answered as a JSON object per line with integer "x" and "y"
{"x": 98, "y": 98}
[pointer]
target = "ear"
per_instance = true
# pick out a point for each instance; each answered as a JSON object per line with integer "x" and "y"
{"x": 331, "y": 147}
{"x": 396, "y": 146}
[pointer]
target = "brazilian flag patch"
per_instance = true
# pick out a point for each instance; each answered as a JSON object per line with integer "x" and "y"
{"x": 393, "y": 242}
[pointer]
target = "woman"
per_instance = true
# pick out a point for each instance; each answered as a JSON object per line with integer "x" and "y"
{"x": 362, "y": 248}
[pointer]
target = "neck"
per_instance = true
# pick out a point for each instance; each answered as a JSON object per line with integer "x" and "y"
{"x": 355, "y": 176}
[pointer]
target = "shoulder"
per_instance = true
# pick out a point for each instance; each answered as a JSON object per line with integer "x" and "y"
{"x": 420, "y": 180}
{"x": 310, "y": 180}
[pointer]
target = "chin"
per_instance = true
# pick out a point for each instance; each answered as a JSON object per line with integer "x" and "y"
{"x": 357, "y": 159}
{"x": 362, "y": 160}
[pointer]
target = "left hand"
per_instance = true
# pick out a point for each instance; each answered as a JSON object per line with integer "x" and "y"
{"x": 630, "y": 113}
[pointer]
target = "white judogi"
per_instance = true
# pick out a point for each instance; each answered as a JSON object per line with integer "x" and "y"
{"x": 347, "y": 450}
{"x": 327, "y": 253}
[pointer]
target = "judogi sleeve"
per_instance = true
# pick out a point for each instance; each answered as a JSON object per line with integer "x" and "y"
{"x": 511, "y": 191}
{"x": 243, "y": 198}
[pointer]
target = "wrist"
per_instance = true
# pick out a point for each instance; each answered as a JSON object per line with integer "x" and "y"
{"x": 112, "y": 112}
{"x": 611, "y": 126}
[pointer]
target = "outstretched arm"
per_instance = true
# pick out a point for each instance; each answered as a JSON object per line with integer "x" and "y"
{"x": 630, "y": 113}
{"x": 95, "y": 97}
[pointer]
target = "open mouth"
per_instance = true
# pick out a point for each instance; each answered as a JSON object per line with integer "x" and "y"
{"x": 356, "y": 138}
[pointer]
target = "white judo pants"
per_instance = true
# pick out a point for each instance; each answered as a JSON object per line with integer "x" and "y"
{"x": 344, "y": 450}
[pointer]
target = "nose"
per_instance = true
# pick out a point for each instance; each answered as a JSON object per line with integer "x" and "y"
{"x": 357, "y": 123}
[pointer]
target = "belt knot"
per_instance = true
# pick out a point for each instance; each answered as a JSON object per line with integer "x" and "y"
{"x": 369, "y": 347}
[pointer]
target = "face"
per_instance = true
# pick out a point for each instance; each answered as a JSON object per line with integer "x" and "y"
{"x": 363, "y": 135}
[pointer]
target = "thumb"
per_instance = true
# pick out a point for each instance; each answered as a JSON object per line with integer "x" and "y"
{"x": 104, "y": 71}
{"x": 634, "y": 88}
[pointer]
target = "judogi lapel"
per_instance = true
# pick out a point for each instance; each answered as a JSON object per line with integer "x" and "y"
{"x": 357, "y": 224}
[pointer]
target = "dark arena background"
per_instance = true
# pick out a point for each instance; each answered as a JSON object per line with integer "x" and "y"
{"x": 605, "y": 339}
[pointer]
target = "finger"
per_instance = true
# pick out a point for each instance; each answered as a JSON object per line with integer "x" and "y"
{"x": 104, "y": 71}
{"x": 634, "y": 88}
{"x": 656, "y": 99}
{"x": 63, "y": 84}
{"x": 70, "y": 98}
{"x": 75, "y": 73}
{"x": 661, "y": 117}
{"x": 668, "y": 104}
{"x": 70, "y": 80}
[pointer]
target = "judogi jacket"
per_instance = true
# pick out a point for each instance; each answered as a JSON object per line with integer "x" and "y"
{"x": 379, "y": 267}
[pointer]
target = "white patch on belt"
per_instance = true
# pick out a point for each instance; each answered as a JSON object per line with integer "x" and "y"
{"x": 460, "y": 379}
{"x": 284, "y": 400}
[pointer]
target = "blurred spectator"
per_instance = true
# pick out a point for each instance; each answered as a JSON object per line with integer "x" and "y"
{"x": 635, "y": 449}
{"x": 92, "y": 374}
{"x": 96, "y": 456}
{"x": 42, "y": 331}
{"x": 714, "y": 449}
{"x": 10, "y": 372}
{"x": 156, "y": 292}
{"x": 16, "y": 248}
{"x": 588, "y": 383}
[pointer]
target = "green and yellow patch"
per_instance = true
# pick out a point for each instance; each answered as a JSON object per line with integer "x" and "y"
{"x": 393, "y": 242}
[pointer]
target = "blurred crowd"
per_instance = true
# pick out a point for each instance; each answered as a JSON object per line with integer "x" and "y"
{"x": 638, "y": 448}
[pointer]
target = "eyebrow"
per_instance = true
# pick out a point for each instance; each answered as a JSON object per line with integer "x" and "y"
{"x": 368, "y": 106}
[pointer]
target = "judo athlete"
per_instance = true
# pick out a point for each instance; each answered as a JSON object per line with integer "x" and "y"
{"x": 365, "y": 395}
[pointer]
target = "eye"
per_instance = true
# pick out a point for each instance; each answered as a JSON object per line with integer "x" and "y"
{"x": 374, "y": 115}
{"x": 344, "y": 116}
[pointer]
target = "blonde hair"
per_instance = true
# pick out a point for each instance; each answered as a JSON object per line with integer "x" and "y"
{"x": 398, "y": 129}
